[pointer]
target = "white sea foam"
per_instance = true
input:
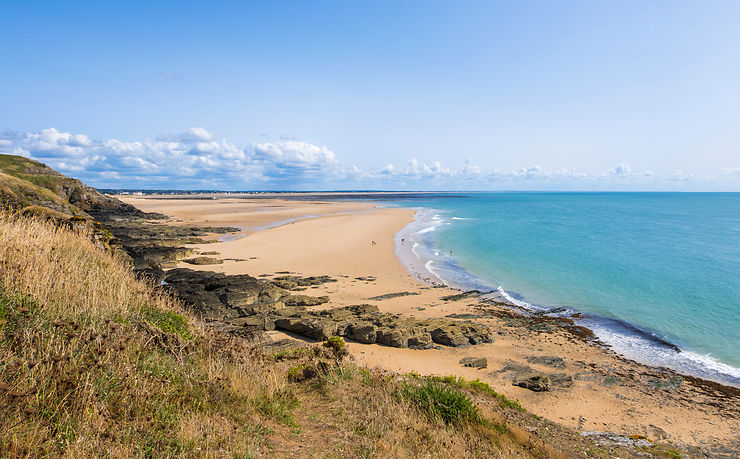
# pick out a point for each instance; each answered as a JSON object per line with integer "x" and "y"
{"x": 429, "y": 265}
{"x": 712, "y": 363}
{"x": 423, "y": 258}
{"x": 522, "y": 304}
{"x": 650, "y": 352}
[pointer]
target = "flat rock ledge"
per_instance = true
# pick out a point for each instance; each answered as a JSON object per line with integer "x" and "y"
{"x": 248, "y": 303}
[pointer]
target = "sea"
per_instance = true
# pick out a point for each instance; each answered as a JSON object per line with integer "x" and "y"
{"x": 656, "y": 276}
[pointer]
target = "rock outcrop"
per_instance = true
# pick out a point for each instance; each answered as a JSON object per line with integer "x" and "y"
{"x": 537, "y": 382}
{"x": 246, "y": 301}
{"x": 474, "y": 362}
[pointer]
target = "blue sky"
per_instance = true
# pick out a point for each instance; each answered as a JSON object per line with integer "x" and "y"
{"x": 599, "y": 95}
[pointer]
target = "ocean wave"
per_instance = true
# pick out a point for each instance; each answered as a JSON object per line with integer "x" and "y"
{"x": 429, "y": 266}
{"x": 641, "y": 347}
{"x": 505, "y": 295}
{"x": 423, "y": 256}
{"x": 712, "y": 363}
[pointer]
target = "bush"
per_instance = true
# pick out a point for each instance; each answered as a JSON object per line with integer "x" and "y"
{"x": 479, "y": 387}
{"x": 335, "y": 343}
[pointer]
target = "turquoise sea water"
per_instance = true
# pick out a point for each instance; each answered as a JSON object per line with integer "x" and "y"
{"x": 646, "y": 268}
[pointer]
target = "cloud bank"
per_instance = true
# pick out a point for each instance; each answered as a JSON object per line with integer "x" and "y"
{"x": 196, "y": 159}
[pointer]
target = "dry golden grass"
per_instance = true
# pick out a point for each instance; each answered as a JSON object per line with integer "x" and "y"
{"x": 96, "y": 362}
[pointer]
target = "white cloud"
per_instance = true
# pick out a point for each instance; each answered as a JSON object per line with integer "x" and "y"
{"x": 293, "y": 159}
{"x": 732, "y": 171}
{"x": 622, "y": 170}
{"x": 470, "y": 168}
{"x": 197, "y": 159}
{"x": 529, "y": 172}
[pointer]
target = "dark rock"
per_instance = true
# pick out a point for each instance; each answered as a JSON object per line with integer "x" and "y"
{"x": 216, "y": 296}
{"x": 250, "y": 302}
{"x": 363, "y": 332}
{"x": 449, "y": 335}
{"x": 203, "y": 261}
{"x": 295, "y": 282}
{"x": 392, "y": 337}
{"x": 561, "y": 380}
{"x": 305, "y": 300}
{"x": 550, "y": 361}
{"x": 611, "y": 380}
{"x": 466, "y": 316}
{"x": 313, "y": 328}
{"x": 537, "y": 382}
{"x": 420, "y": 340}
{"x": 474, "y": 362}
{"x": 672, "y": 383}
{"x": 154, "y": 274}
{"x": 462, "y": 296}
{"x": 389, "y": 296}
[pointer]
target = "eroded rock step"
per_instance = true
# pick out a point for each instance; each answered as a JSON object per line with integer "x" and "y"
{"x": 258, "y": 304}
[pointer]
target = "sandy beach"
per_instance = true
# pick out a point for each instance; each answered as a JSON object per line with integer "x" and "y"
{"x": 353, "y": 242}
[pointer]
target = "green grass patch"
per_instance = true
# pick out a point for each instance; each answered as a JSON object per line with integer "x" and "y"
{"x": 440, "y": 401}
{"x": 290, "y": 354}
{"x": 335, "y": 343}
{"x": 279, "y": 407}
{"x": 167, "y": 321}
{"x": 479, "y": 387}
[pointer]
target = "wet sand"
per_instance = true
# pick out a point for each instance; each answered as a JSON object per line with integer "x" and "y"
{"x": 354, "y": 243}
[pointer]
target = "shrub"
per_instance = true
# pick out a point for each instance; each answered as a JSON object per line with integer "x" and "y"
{"x": 443, "y": 402}
{"x": 335, "y": 343}
{"x": 477, "y": 386}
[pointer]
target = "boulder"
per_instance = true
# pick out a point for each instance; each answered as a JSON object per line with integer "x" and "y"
{"x": 420, "y": 340}
{"x": 537, "y": 382}
{"x": 474, "y": 362}
{"x": 363, "y": 332}
{"x": 203, "y": 261}
{"x": 392, "y": 337}
{"x": 449, "y": 335}
{"x": 561, "y": 380}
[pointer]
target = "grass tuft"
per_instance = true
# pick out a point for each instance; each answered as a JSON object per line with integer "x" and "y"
{"x": 167, "y": 321}
{"x": 439, "y": 401}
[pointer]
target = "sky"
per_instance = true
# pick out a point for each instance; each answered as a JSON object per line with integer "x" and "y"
{"x": 396, "y": 95}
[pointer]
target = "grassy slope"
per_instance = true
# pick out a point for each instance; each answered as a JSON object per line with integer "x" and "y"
{"x": 25, "y": 183}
